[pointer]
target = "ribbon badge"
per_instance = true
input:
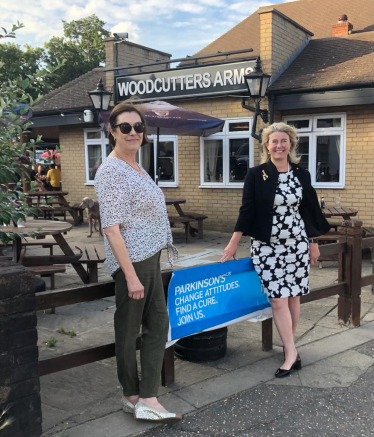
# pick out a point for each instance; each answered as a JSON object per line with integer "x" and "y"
{"x": 264, "y": 175}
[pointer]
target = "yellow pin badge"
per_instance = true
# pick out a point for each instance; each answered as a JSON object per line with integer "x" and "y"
{"x": 264, "y": 175}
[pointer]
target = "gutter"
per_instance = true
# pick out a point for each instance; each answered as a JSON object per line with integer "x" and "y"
{"x": 323, "y": 89}
{"x": 66, "y": 111}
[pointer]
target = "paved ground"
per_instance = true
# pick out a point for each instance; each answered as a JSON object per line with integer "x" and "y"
{"x": 236, "y": 396}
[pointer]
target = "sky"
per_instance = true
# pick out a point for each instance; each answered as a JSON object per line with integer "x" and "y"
{"x": 177, "y": 27}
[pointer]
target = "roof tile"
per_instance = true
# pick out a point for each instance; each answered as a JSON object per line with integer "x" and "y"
{"x": 73, "y": 94}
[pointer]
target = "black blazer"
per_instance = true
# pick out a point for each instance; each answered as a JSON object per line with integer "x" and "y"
{"x": 256, "y": 213}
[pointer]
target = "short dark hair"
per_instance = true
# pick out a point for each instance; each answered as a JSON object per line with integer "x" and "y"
{"x": 120, "y": 109}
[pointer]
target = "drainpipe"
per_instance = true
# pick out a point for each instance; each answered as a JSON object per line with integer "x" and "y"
{"x": 272, "y": 98}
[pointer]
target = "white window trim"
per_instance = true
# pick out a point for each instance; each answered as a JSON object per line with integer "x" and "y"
{"x": 225, "y": 136}
{"x": 315, "y": 132}
{"x": 102, "y": 140}
{"x": 174, "y": 138}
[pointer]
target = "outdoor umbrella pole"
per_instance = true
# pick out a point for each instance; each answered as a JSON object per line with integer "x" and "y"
{"x": 157, "y": 175}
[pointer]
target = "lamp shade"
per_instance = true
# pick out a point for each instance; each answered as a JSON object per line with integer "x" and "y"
{"x": 100, "y": 97}
{"x": 257, "y": 82}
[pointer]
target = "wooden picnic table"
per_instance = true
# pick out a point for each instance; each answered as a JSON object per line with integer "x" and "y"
{"x": 62, "y": 204}
{"x": 56, "y": 229}
{"x": 187, "y": 216}
{"x": 38, "y": 195}
{"x": 341, "y": 211}
{"x": 177, "y": 204}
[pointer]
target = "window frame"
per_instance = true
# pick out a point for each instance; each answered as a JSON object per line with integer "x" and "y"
{"x": 174, "y": 138}
{"x": 313, "y": 132}
{"x": 103, "y": 141}
{"x": 225, "y": 136}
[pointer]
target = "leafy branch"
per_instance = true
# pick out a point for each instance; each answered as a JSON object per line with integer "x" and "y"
{"x": 16, "y": 103}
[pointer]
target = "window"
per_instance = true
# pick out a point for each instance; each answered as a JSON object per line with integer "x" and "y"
{"x": 165, "y": 164}
{"x": 96, "y": 147}
{"x": 227, "y": 155}
{"x": 322, "y": 147}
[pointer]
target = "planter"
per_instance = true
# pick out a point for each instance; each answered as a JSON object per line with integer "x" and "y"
{"x": 203, "y": 347}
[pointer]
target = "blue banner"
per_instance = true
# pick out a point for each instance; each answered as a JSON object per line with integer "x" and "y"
{"x": 203, "y": 297}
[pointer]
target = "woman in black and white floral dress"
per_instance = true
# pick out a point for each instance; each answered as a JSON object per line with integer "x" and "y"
{"x": 283, "y": 264}
{"x": 280, "y": 211}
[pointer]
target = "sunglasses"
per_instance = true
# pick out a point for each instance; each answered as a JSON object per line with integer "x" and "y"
{"x": 126, "y": 128}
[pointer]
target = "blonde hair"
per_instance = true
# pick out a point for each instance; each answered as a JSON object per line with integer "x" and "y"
{"x": 292, "y": 134}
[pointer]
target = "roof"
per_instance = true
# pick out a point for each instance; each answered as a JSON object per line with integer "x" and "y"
{"x": 72, "y": 95}
{"x": 317, "y": 16}
{"x": 331, "y": 62}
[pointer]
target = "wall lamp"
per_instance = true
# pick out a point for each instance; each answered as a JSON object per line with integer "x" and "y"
{"x": 100, "y": 97}
{"x": 257, "y": 82}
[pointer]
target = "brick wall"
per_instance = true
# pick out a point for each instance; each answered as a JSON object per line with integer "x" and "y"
{"x": 280, "y": 39}
{"x": 359, "y": 165}
{"x": 221, "y": 205}
{"x": 73, "y": 164}
{"x": 19, "y": 369}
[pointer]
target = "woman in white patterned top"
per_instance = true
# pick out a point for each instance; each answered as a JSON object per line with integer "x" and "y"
{"x": 136, "y": 228}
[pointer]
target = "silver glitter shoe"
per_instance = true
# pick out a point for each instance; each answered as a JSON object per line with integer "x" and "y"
{"x": 127, "y": 406}
{"x": 142, "y": 412}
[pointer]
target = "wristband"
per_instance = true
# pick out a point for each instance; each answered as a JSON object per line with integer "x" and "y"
{"x": 312, "y": 240}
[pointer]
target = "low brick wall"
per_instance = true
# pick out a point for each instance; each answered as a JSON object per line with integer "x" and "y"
{"x": 19, "y": 371}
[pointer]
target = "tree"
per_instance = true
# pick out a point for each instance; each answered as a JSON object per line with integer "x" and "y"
{"x": 15, "y": 103}
{"x": 18, "y": 62}
{"x": 82, "y": 46}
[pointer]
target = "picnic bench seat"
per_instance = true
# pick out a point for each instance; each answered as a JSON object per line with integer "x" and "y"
{"x": 49, "y": 271}
{"x": 92, "y": 255}
{"x": 55, "y": 211}
{"x": 330, "y": 237}
{"x": 44, "y": 244}
{"x": 334, "y": 224}
{"x": 185, "y": 221}
{"x": 200, "y": 220}
{"x": 77, "y": 213}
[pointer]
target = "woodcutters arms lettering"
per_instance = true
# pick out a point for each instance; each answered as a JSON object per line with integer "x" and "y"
{"x": 194, "y": 81}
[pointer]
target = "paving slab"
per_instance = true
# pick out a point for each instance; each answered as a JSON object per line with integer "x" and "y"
{"x": 337, "y": 371}
{"x": 214, "y": 389}
{"x": 367, "y": 349}
{"x": 118, "y": 424}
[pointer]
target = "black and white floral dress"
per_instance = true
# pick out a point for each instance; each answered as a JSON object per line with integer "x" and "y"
{"x": 283, "y": 265}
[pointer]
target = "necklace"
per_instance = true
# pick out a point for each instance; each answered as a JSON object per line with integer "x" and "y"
{"x": 137, "y": 168}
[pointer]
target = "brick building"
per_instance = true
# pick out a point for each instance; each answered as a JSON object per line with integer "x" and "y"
{"x": 322, "y": 82}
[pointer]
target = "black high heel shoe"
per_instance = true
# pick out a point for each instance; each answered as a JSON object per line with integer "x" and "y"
{"x": 281, "y": 373}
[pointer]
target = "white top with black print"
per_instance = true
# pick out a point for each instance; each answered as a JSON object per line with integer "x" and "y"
{"x": 137, "y": 204}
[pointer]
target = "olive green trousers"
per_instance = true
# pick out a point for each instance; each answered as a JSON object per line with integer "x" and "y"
{"x": 148, "y": 316}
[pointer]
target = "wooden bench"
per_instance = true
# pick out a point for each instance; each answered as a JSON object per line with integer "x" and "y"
{"x": 49, "y": 271}
{"x": 331, "y": 237}
{"x": 77, "y": 214}
{"x": 44, "y": 244}
{"x": 368, "y": 232}
{"x": 54, "y": 211}
{"x": 185, "y": 221}
{"x": 334, "y": 224}
{"x": 92, "y": 256}
{"x": 200, "y": 221}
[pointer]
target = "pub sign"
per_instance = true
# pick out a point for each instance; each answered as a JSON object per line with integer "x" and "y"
{"x": 181, "y": 83}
